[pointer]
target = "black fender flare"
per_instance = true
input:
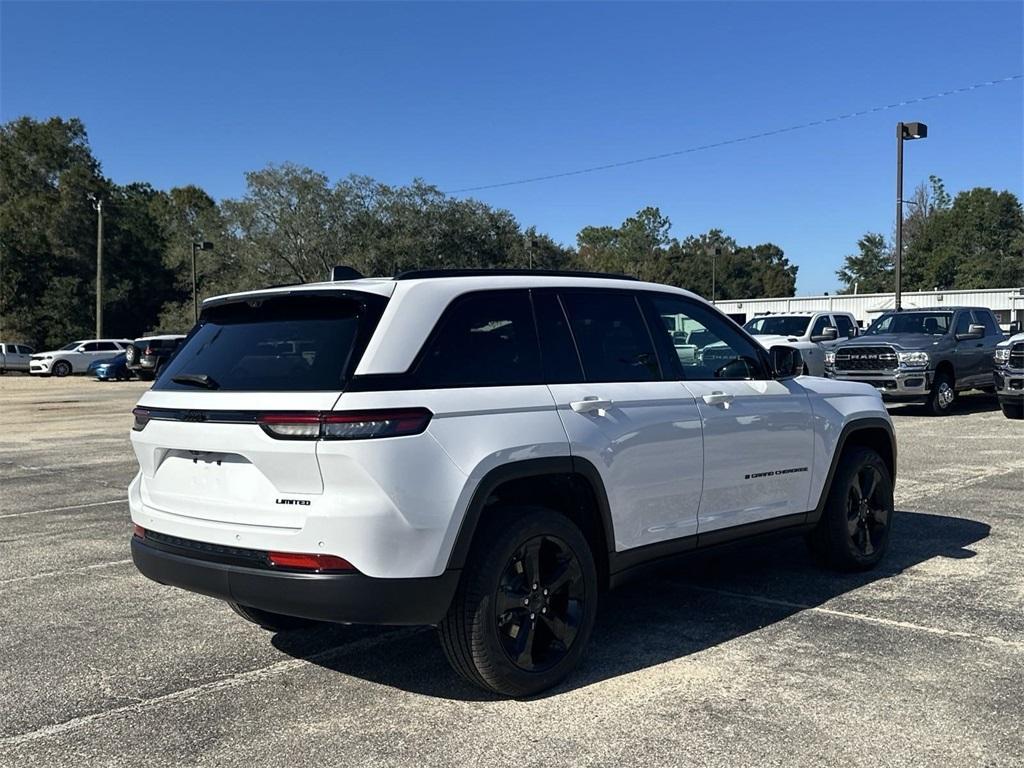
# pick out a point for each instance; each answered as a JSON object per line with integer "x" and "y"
{"x": 850, "y": 429}
{"x": 552, "y": 466}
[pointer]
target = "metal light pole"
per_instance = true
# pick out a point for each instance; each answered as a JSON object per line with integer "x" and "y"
{"x": 205, "y": 245}
{"x": 714, "y": 267}
{"x": 904, "y": 132}
{"x": 97, "y": 203}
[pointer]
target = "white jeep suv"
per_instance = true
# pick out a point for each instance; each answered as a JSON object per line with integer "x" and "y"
{"x": 486, "y": 452}
{"x": 811, "y": 332}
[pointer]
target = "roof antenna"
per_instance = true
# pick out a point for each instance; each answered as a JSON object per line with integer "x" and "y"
{"x": 342, "y": 272}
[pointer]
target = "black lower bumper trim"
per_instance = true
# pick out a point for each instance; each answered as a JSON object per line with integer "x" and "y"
{"x": 350, "y": 598}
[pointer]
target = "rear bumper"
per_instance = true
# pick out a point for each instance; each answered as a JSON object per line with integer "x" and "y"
{"x": 350, "y": 598}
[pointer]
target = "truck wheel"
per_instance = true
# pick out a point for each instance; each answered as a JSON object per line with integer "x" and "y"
{"x": 853, "y": 533}
{"x": 272, "y": 622}
{"x": 61, "y": 368}
{"x": 525, "y": 606}
{"x": 1011, "y": 409}
{"x": 942, "y": 396}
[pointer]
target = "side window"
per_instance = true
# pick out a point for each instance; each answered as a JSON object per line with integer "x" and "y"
{"x": 963, "y": 323}
{"x": 611, "y": 336}
{"x": 706, "y": 345}
{"x": 986, "y": 319}
{"x": 92, "y": 346}
{"x": 483, "y": 339}
{"x": 823, "y": 322}
{"x": 107, "y": 346}
{"x": 557, "y": 349}
{"x": 845, "y": 326}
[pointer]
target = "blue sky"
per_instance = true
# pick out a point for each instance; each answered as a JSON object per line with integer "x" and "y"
{"x": 466, "y": 94}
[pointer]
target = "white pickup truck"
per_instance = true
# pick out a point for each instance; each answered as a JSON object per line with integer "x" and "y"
{"x": 14, "y": 357}
{"x": 810, "y": 332}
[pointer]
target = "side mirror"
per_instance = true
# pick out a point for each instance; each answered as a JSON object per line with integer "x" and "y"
{"x": 831, "y": 333}
{"x": 974, "y": 331}
{"x": 1014, "y": 327}
{"x": 786, "y": 361}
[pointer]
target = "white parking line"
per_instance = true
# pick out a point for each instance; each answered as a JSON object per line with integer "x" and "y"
{"x": 863, "y": 617}
{"x": 81, "y": 569}
{"x": 64, "y": 509}
{"x": 224, "y": 683}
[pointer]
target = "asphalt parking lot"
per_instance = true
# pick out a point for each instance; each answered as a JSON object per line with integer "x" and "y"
{"x": 754, "y": 657}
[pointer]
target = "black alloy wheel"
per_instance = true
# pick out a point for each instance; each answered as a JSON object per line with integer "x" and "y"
{"x": 855, "y": 527}
{"x": 867, "y": 513}
{"x": 539, "y": 603}
{"x": 522, "y": 615}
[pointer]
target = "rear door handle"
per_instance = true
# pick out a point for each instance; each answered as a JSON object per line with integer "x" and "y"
{"x": 719, "y": 398}
{"x": 591, "y": 404}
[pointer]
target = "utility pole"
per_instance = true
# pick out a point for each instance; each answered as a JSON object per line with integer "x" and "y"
{"x": 97, "y": 203}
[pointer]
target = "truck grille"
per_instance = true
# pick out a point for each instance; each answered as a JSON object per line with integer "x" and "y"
{"x": 1017, "y": 355}
{"x": 865, "y": 359}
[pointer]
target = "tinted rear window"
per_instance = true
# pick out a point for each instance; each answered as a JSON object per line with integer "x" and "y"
{"x": 287, "y": 344}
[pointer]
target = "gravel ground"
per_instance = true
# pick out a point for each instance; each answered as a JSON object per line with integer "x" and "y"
{"x": 753, "y": 657}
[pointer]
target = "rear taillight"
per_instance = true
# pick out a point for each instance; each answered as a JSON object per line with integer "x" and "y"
{"x": 303, "y": 562}
{"x": 149, "y": 351}
{"x": 291, "y": 426}
{"x": 346, "y": 425}
{"x": 142, "y": 417}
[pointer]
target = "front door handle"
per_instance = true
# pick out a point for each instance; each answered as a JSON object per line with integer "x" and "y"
{"x": 719, "y": 398}
{"x": 591, "y": 404}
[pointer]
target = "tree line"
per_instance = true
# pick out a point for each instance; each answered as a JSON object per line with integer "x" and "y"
{"x": 973, "y": 240}
{"x": 291, "y": 225}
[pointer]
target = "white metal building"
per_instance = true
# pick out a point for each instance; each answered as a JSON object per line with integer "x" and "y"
{"x": 1006, "y": 303}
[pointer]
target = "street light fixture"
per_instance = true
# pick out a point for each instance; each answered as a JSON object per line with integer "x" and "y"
{"x": 904, "y": 132}
{"x": 205, "y": 245}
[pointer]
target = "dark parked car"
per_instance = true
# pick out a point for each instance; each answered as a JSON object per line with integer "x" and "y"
{"x": 147, "y": 356}
{"x": 112, "y": 369}
{"x": 924, "y": 355}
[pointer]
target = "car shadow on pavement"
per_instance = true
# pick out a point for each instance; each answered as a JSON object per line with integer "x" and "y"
{"x": 671, "y": 613}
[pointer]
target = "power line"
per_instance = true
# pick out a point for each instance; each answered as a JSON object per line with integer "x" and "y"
{"x": 741, "y": 139}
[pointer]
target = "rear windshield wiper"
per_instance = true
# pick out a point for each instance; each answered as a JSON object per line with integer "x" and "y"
{"x": 196, "y": 380}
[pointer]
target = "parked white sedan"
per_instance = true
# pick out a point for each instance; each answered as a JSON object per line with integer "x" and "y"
{"x": 76, "y": 356}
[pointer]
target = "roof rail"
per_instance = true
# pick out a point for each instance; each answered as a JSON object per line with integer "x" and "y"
{"x": 422, "y": 274}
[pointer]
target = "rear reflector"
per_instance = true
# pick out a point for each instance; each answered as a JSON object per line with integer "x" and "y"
{"x": 302, "y": 562}
{"x": 346, "y": 425}
{"x": 138, "y": 530}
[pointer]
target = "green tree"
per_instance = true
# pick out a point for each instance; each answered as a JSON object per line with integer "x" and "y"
{"x": 47, "y": 230}
{"x": 870, "y": 270}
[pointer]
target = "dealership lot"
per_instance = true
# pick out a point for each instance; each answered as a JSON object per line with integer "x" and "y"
{"x": 753, "y": 657}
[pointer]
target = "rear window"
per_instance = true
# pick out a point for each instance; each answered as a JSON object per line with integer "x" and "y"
{"x": 302, "y": 343}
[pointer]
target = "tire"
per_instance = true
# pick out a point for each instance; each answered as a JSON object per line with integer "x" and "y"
{"x": 61, "y": 368}
{"x": 942, "y": 396}
{"x": 272, "y": 622}
{"x": 855, "y": 526}
{"x": 1011, "y": 409}
{"x": 537, "y": 565}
